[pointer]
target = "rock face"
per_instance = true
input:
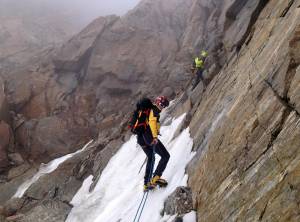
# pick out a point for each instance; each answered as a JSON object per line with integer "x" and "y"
{"x": 246, "y": 127}
{"x": 27, "y": 39}
{"x": 10, "y": 187}
{"x": 12, "y": 206}
{"x": 49, "y": 210}
{"x": 74, "y": 54}
{"x": 179, "y": 202}
{"x": 244, "y": 121}
{"x": 121, "y": 56}
{"x": 94, "y": 79}
{"x": 98, "y": 74}
{"x": 4, "y": 142}
{"x": 6, "y": 136}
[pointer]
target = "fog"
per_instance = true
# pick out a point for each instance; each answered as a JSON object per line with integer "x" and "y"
{"x": 87, "y": 10}
{"x": 81, "y": 11}
{"x": 95, "y": 7}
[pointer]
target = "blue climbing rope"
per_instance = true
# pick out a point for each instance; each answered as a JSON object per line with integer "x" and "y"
{"x": 145, "y": 195}
{"x": 138, "y": 210}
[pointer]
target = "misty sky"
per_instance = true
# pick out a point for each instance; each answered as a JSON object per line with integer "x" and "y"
{"x": 86, "y": 10}
{"x": 113, "y": 6}
{"x": 90, "y": 9}
{"x": 97, "y": 7}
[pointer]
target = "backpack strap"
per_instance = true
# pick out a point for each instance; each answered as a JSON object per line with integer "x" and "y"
{"x": 146, "y": 122}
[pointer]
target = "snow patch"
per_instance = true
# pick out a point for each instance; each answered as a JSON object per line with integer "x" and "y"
{"x": 119, "y": 190}
{"x": 190, "y": 217}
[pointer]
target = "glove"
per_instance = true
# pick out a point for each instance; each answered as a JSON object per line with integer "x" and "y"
{"x": 154, "y": 141}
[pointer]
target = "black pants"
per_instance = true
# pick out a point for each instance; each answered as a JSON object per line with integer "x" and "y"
{"x": 144, "y": 140}
{"x": 199, "y": 76}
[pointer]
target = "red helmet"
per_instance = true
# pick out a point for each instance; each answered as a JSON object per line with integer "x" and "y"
{"x": 162, "y": 101}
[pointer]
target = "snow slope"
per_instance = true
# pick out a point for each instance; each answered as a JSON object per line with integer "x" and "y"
{"x": 119, "y": 191}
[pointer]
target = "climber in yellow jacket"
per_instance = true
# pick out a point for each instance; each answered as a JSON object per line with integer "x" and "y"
{"x": 147, "y": 138}
{"x": 198, "y": 66}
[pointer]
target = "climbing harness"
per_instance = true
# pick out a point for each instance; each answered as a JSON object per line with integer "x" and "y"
{"x": 145, "y": 195}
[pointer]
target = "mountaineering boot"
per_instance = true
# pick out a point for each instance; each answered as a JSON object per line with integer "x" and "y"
{"x": 148, "y": 187}
{"x": 156, "y": 180}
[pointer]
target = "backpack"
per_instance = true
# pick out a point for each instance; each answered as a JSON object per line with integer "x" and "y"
{"x": 140, "y": 117}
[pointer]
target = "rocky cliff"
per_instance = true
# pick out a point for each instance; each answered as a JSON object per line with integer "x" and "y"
{"x": 29, "y": 33}
{"x": 244, "y": 121}
{"x": 246, "y": 128}
{"x": 96, "y": 75}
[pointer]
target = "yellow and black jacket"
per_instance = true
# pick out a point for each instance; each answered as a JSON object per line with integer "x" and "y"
{"x": 145, "y": 137}
{"x": 154, "y": 121}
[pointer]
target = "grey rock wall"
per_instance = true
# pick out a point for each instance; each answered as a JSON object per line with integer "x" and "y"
{"x": 246, "y": 127}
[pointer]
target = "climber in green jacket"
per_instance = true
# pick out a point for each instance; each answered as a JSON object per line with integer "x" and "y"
{"x": 198, "y": 67}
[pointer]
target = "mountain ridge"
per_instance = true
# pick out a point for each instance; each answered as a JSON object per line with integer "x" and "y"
{"x": 244, "y": 122}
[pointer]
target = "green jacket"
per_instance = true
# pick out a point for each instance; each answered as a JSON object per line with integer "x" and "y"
{"x": 199, "y": 63}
